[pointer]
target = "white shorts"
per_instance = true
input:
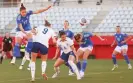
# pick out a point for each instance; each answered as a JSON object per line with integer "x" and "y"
{"x": 90, "y": 48}
{"x": 21, "y": 34}
{"x": 120, "y": 48}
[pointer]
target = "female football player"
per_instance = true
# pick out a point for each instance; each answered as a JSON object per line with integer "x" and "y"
{"x": 66, "y": 45}
{"x": 24, "y": 29}
{"x": 86, "y": 47}
{"x": 41, "y": 44}
{"x": 70, "y": 35}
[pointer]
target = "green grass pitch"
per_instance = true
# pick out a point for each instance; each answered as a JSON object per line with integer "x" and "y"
{"x": 98, "y": 71}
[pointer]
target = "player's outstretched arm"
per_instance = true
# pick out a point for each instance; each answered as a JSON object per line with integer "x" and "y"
{"x": 99, "y": 37}
{"x": 56, "y": 53}
{"x": 42, "y": 10}
{"x": 34, "y": 30}
{"x": 127, "y": 39}
{"x": 21, "y": 28}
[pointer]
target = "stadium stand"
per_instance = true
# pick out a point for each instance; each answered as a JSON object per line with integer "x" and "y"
{"x": 57, "y": 15}
{"x": 120, "y": 16}
{"x": 101, "y": 18}
{"x": 7, "y": 15}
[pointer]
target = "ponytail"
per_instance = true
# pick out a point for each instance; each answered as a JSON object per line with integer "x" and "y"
{"x": 22, "y": 7}
{"x": 47, "y": 24}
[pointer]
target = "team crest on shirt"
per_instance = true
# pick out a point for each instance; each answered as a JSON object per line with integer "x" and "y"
{"x": 120, "y": 36}
{"x": 118, "y": 39}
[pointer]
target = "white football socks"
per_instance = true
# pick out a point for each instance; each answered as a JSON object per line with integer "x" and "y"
{"x": 44, "y": 65}
{"x": 13, "y": 60}
{"x": 74, "y": 67}
{"x": 33, "y": 68}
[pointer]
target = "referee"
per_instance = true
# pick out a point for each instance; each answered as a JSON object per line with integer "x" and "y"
{"x": 7, "y": 46}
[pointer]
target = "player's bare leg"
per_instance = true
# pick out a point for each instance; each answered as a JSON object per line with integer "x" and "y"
{"x": 58, "y": 62}
{"x": 74, "y": 67}
{"x": 1, "y": 57}
{"x": 114, "y": 60}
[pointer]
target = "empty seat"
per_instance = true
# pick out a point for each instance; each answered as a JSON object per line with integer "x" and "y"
{"x": 131, "y": 13}
{"x": 124, "y": 21}
{"x": 130, "y": 21}
{"x": 128, "y": 30}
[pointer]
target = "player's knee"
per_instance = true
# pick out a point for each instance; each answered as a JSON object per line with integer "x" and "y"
{"x": 124, "y": 54}
{"x": 85, "y": 58}
{"x": 55, "y": 65}
{"x": 29, "y": 35}
{"x": 33, "y": 59}
{"x": 114, "y": 53}
{"x": 56, "y": 68}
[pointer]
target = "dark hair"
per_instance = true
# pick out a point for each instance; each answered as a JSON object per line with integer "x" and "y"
{"x": 77, "y": 37}
{"x": 34, "y": 27}
{"x": 61, "y": 33}
{"x": 117, "y": 26}
{"x": 22, "y": 7}
{"x": 47, "y": 24}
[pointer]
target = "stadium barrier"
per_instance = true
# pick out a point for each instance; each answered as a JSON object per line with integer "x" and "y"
{"x": 101, "y": 50}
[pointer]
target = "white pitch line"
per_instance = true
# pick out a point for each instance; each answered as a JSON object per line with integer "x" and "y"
{"x": 58, "y": 76}
{"x": 17, "y": 80}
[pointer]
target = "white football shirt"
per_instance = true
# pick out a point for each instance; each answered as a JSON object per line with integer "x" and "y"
{"x": 43, "y": 35}
{"x": 65, "y": 46}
